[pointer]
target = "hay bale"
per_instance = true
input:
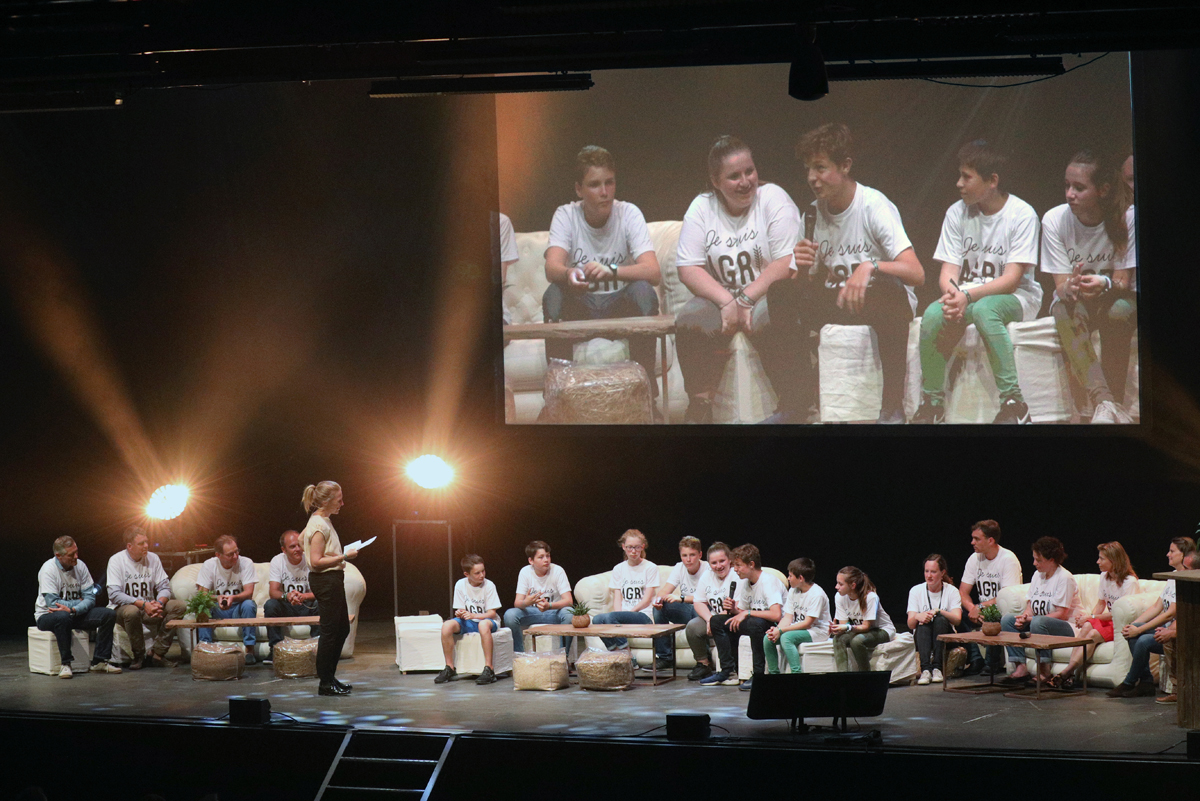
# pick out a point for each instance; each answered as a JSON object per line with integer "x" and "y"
{"x": 213, "y": 661}
{"x": 546, "y": 670}
{"x": 295, "y": 659}
{"x": 605, "y": 670}
{"x": 602, "y": 394}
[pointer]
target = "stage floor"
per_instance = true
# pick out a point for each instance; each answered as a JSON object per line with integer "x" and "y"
{"x": 914, "y": 716}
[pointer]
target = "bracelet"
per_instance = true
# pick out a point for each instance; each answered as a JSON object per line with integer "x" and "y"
{"x": 1108, "y": 284}
{"x": 875, "y": 267}
{"x": 743, "y": 299}
{"x": 613, "y": 267}
{"x": 967, "y": 295}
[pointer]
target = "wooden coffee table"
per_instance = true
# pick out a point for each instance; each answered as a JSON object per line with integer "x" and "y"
{"x": 1040, "y": 642}
{"x": 626, "y": 630}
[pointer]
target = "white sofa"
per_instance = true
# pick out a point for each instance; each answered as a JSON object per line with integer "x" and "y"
{"x": 183, "y": 587}
{"x": 1111, "y": 660}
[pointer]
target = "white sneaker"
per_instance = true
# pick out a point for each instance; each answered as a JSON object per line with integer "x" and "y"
{"x": 1109, "y": 413}
{"x": 937, "y": 676}
{"x": 65, "y": 673}
{"x": 925, "y": 678}
{"x": 732, "y": 681}
{"x": 104, "y": 667}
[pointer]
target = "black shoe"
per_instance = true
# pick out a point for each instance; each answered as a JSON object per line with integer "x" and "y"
{"x": 332, "y": 689}
{"x": 700, "y": 671}
{"x": 663, "y": 663}
{"x": 699, "y": 411}
{"x": 343, "y": 685}
{"x": 1013, "y": 412}
{"x": 1122, "y": 691}
{"x": 929, "y": 415}
{"x": 993, "y": 670}
{"x": 488, "y": 676}
{"x": 1145, "y": 689}
{"x": 746, "y": 685}
{"x": 448, "y": 673}
{"x": 975, "y": 668}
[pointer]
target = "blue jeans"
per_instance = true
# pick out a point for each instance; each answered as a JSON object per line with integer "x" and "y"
{"x": 517, "y": 620}
{"x": 99, "y": 619}
{"x": 671, "y": 613}
{"x": 1141, "y": 648}
{"x": 1041, "y": 624}
{"x": 636, "y": 618}
{"x": 246, "y": 608}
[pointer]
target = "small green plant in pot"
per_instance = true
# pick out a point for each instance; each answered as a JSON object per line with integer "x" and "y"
{"x": 581, "y": 616}
{"x": 990, "y": 615}
{"x": 200, "y": 603}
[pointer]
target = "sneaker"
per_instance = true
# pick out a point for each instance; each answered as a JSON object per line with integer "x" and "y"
{"x": 929, "y": 414}
{"x": 65, "y": 672}
{"x": 448, "y": 673}
{"x": 892, "y": 417}
{"x": 104, "y": 667}
{"x": 1122, "y": 691}
{"x": 488, "y": 676}
{"x": 937, "y": 677}
{"x": 1013, "y": 412}
{"x": 1167, "y": 699}
{"x": 700, "y": 671}
{"x": 732, "y": 681}
{"x": 158, "y": 661}
{"x": 663, "y": 663}
{"x": 955, "y": 660}
{"x": 924, "y": 679}
{"x": 250, "y": 658}
{"x": 714, "y": 679}
{"x": 783, "y": 418}
{"x": 746, "y": 685}
{"x": 1109, "y": 413}
{"x": 699, "y": 411}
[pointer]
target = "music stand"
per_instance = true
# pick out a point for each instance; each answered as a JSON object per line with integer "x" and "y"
{"x": 795, "y": 696}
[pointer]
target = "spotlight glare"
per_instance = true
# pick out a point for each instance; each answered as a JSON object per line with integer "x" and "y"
{"x": 167, "y": 502}
{"x": 430, "y": 471}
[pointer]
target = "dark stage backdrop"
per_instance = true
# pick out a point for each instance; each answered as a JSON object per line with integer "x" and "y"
{"x": 263, "y": 271}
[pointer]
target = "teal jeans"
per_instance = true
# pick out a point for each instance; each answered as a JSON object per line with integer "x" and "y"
{"x": 991, "y": 316}
{"x": 790, "y": 641}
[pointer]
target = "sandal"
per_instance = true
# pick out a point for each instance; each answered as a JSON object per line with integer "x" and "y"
{"x": 1057, "y": 681}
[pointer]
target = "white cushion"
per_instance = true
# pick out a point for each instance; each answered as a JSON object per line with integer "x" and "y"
{"x": 468, "y": 652}
{"x": 419, "y": 643}
{"x": 851, "y": 375}
{"x": 898, "y": 655}
{"x": 43, "y": 651}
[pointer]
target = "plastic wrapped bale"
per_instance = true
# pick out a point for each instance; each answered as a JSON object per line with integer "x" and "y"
{"x": 541, "y": 670}
{"x": 601, "y": 394}
{"x": 605, "y": 670}
{"x": 215, "y": 661}
{"x": 295, "y": 659}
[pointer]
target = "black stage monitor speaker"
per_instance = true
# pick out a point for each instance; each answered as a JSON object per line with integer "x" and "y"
{"x": 688, "y": 726}
{"x": 249, "y": 711}
{"x": 797, "y": 696}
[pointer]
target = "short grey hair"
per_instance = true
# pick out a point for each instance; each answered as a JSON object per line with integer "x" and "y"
{"x": 62, "y": 544}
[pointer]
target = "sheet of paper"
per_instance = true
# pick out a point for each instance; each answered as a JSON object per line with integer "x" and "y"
{"x": 358, "y": 545}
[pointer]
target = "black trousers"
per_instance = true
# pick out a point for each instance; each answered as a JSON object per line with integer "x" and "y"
{"x": 330, "y": 589}
{"x": 727, "y": 641}
{"x": 929, "y": 648}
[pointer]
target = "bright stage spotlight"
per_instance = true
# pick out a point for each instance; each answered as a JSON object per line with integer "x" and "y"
{"x": 167, "y": 502}
{"x": 430, "y": 472}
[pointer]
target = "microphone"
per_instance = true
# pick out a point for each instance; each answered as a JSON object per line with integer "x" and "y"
{"x": 810, "y": 222}
{"x": 732, "y": 589}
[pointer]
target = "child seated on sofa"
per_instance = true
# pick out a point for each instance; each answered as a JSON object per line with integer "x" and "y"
{"x": 630, "y": 588}
{"x": 475, "y": 605}
{"x": 805, "y": 617}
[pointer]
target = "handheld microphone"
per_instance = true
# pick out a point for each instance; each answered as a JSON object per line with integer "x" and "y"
{"x": 810, "y": 225}
{"x": 732, "y": 588}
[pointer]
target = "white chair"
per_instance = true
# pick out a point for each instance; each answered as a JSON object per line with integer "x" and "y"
{"x": 851, "y": 375}
{"x": 419, "y": 643}
{"x": 43, "y": 651}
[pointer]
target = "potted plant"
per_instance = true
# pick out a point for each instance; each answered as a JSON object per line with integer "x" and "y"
{"x": 199, "y": 604}
{"x": 991, "y": 619}
{"x": 581, "y": 616}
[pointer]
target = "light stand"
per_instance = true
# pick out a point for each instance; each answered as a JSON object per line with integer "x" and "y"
{"x": 395, "y": 570}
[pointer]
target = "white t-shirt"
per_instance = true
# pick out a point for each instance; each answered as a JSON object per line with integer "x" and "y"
{"x": 921, "y": 599}
{"x": 713, "y": 590}
{"x": 1112, "y": 592}
{"x": 982, "y": 244}
{"x": 290, "y": 577}
{"x": 632, "y": 583}
{"x": 551, "y": 586}
{"x": 869, "y": 228}
{"x": 989, "y": 576}
{"x": 66, "y": 584}
{"x": 846, "y": 609}
{"x": 735, "y": 250}
{"x": 1066, "y": 241}
{"x": 226, "y": 582}
{"x": 477, "y": 600}
{"x": 1060, "y": 590}
{"x": 620, "y": 241}
{"x": 128, "y": 580}
{"x": 813, "y": 603}
{"x": 685, "y": 583}
{"x": 762, "y": 594}
{"x": 508, "y": 240}
{"x": 1168, "y": 594}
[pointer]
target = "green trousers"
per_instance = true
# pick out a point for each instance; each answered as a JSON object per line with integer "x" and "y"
{"x": 790, "y": 641}
{"x": 991, "y": 316}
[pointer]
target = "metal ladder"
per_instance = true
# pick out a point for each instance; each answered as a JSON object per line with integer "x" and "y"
{"x": 378, "y": 764}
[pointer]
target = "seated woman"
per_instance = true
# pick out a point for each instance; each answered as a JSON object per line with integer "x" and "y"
{"x": 1117, "y": 580}
{"x": 630, "y": 587}
{"x": 1140, "y": 634}
{"x": 861, "y": 622}
{"x": 934, "y": 608}
{"x": 1052, "y": 602}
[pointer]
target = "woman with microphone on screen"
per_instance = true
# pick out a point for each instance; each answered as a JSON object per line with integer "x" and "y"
{"x": 326, "y": 564}
{"x": 736, "y": 240}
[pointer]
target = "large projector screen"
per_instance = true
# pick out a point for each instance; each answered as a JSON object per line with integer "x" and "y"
{"x": 693, "y": 246}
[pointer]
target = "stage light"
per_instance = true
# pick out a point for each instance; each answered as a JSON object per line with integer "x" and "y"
{"x": 168, "y": 502}
{"x": 807, "y": 78}
{"x": 430, "y": 472}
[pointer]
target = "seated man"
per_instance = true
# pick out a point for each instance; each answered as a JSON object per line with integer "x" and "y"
{"x": 675, "y": 600}
{"x": 290, "y": 594}
{"x": 1166, "y": 636}
{"x": 600, "y": 261}
{"x": 66, "y": 601}
{"x": 140, "y": 592}
{"x": 475, "y": 605}
{"x": 231, "y": 576}
{"x": 543, "y": 595}
{"x": 989, "y": 569}
{"x": 758, "y": 607}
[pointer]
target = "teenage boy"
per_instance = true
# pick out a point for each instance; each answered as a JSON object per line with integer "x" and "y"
{"x": 600, "y": 261}
{"x": 543, "y": 595}
{"x": 709, "y": 601}
{"x": 857, "y": 267}
{"x": 675, "y": 600}
{"x": 990, "y": 569}
{"x": 988, "y": 251}
{"x": 475, "y": 605}
{"x": 806, "y": 617}
{"x": 759, "y": 605}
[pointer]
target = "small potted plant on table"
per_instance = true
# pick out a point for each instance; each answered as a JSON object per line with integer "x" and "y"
{"x": 581, "y": 616}
{"x": 199, "y": 604}
{"x": 991, "y": 619}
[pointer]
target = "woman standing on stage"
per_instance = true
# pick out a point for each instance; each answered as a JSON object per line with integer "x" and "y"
{"x": 1117, "y": 580}
{"x": 326, "y": 564}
